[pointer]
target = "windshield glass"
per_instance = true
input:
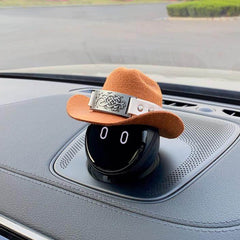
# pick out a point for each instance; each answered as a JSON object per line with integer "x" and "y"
{"x": 92, "y": 37}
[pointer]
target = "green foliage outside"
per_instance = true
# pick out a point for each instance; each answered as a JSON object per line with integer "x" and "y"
{"x": 205, "y": 8}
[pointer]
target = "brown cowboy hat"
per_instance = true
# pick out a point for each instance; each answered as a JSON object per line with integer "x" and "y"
{"x": 128, "y": 97}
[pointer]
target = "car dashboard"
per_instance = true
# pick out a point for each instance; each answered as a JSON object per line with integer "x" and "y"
{"x": 47, "y": 192}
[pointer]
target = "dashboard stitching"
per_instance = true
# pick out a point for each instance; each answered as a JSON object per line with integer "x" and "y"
{"x": 104, "y": 199}
{"x": 114, "y": 210}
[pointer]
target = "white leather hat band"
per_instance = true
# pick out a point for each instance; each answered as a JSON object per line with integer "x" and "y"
{"x": 120, "y": 104}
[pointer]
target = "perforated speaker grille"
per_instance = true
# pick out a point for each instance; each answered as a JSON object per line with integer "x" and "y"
{"x": 203, "y": 141}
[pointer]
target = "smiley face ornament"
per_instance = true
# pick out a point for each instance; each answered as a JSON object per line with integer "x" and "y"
{"x": 127, "y": 118}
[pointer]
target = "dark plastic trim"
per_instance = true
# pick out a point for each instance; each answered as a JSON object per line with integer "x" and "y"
{"x": 210, "y": 94}
{"x": 96, "y": 81}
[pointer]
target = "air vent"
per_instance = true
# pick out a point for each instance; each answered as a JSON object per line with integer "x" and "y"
{"x": 178, "y": 104}
{"x": 232, "y": 112}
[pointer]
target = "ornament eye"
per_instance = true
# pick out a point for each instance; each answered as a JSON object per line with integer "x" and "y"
{"x": 124, "y": 137}
{"x": 104, "y": 133}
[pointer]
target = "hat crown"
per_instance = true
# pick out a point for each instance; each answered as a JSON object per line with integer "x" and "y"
{"x": 135, "y": 83}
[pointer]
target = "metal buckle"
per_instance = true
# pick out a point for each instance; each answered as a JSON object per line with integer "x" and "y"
{"x": 110, "y": 102}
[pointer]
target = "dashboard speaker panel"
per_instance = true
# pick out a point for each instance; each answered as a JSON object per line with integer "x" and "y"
{"x": 203, "y": 141}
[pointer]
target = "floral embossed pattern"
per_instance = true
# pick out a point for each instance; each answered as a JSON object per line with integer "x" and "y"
{"x": 110, "y": 101}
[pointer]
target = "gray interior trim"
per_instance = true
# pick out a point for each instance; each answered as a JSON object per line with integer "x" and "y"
{"x": 21, "y": 229}
{"x": 33, "y": 131}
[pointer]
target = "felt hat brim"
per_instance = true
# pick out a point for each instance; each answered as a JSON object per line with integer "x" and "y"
{"x": 168, "y": 124}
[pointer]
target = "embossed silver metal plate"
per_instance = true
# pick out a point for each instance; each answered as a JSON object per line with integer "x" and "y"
{"x": 110, "y": 102}
{"x": 204, "y": 140}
